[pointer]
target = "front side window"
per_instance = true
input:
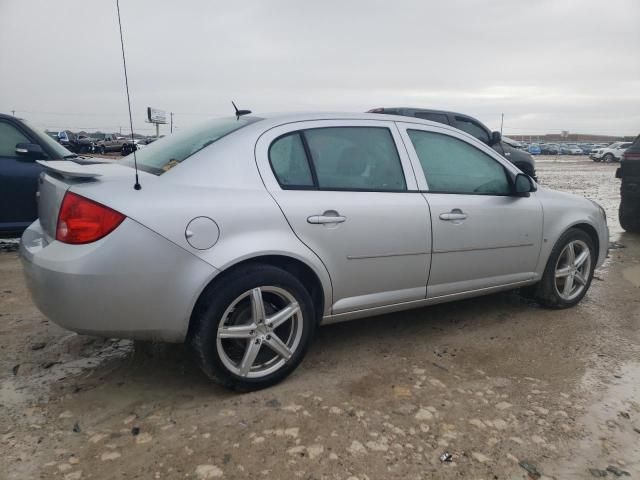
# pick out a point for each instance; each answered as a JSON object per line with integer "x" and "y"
{"x": 451, "y": 165}
{"x": 472, "y": 128}
{"x": 289, "y": 162}
{"x": 10, "y": 136}
{"x": 355, "y": 158}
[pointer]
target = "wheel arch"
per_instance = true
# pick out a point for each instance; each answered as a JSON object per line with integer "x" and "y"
{"x": 591, "y": 232}
{"x": 301, "y": 270}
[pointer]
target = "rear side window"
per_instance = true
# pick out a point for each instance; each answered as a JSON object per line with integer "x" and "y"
{"x": 451, "y": 165}
{"x": 289, "y": 161}
{"x": 434, "y": 117}
{"x": 355, "y": 158}
{"x": 472, "y": 128}
{"x": 338, "y": 158}
{"x": 10, "y": 136}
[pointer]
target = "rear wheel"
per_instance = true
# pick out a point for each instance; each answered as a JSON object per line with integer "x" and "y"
{"x": 629, "y": 215}
{"x": 103, "y": 150}
{"x": 569, "y": 271}
{"x": 253, "y": 328}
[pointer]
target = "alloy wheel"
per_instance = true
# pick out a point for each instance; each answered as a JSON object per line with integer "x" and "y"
{"x": 259, "y": 332}
{"x": 572, "y": 270}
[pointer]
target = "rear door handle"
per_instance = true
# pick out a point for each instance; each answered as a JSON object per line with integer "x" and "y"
{"x": 322, "y": 219}
{"x": 455, "y": 214}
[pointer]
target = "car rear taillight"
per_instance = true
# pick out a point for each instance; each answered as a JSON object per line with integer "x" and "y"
{"x": 84, "y": 221}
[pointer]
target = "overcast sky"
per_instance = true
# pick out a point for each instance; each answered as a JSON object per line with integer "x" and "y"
{"x": 549, "y": 65}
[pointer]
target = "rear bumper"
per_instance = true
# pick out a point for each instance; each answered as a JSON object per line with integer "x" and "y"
{"x": 133, "y": 283}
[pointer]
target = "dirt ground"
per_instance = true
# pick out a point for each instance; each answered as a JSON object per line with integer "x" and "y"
{"x": 507, "y": 389}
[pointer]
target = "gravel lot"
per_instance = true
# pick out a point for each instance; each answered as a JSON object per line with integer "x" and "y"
{"x": 507, "y": 389}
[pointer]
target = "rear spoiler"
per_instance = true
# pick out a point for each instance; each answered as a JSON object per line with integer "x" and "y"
{"x": 70, "y": 169}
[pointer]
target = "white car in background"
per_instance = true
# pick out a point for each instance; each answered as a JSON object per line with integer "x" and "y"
{"x": 609, "y": 154}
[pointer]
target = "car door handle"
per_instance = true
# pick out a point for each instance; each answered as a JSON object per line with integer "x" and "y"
{"x": 323, "y": 219}
{"x": 455, "y": 214}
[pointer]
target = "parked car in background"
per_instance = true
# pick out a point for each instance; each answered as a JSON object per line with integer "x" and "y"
{"x": 534, "y": 149}
{"x": 246, "y": 287}
{"x": 549, "y": 149}
{"x": 573, "y": 149}
{"x": 129, "y": 147}
{"x": 629, "y": 173}
{"x": 472, "y": 126}
{"x": 609, "y": 154}
{"x": 76, "y": 143}
{"x": 513, "y": 143}
{"x": 110, "y": 143}
{"x": 586, "y": 148}
{"x": 20, "y": 146}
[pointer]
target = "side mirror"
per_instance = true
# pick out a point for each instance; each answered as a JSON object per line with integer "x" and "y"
{"x": 496, "y": 137}
{"x": 31, "y": 150}
{"x": 523, "y": 185}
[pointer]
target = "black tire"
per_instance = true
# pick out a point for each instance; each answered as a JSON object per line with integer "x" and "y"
{"x": 547, "y": 294}
{"x": 629, "y": 215}
{"x": 103, "y": 150}
{"x": 217, "y": 298}
{"x": 609, "y": 158}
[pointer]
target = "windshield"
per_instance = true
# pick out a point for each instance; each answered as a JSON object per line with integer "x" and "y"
{"x": 167, "y": 152}
{"x": 59, "y": 150}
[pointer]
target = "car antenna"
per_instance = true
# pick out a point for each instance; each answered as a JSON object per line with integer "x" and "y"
{"x": 137, "y": 185}
{"x": 239, "y": 113}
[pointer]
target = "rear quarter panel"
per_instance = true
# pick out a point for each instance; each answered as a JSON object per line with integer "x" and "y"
{"x": 220, "y": 182}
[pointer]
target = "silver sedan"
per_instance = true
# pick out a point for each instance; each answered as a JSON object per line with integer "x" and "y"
{"x": 249, "y": 232}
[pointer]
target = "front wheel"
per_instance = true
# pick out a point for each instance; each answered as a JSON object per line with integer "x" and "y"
{"x": 253, "y": 328}
{"x": 608, "y": 158}
{"x": 569, "y": 271}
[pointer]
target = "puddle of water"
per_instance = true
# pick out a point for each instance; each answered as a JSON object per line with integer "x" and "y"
{"x": 609, "y": 427}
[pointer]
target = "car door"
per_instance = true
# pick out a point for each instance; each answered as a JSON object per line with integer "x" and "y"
{"x": 350, "y": 195}
{"x": 18, "y": 180}
{"x": 483, "y": 236}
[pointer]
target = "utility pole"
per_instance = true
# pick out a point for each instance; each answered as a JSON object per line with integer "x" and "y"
{"x": 501, "y": 122}
{"x": 171, "y": 116}
{"x": 13, "y": 112}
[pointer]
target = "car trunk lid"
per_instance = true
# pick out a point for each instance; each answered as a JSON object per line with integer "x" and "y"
{"x": 59, "y": 176}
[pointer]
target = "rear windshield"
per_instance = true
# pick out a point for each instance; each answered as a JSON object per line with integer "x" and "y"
{"x": 165, "y": 153}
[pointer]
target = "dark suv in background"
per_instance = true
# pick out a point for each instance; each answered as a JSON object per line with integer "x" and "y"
{"x": 521, "y": 159}
{"x": 629, "y": 173}
{"x": 21, "y": 145}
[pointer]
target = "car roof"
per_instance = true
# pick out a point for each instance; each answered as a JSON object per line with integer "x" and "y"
{"x": 6, "y": 116}
{"x": 273, "y": 119}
